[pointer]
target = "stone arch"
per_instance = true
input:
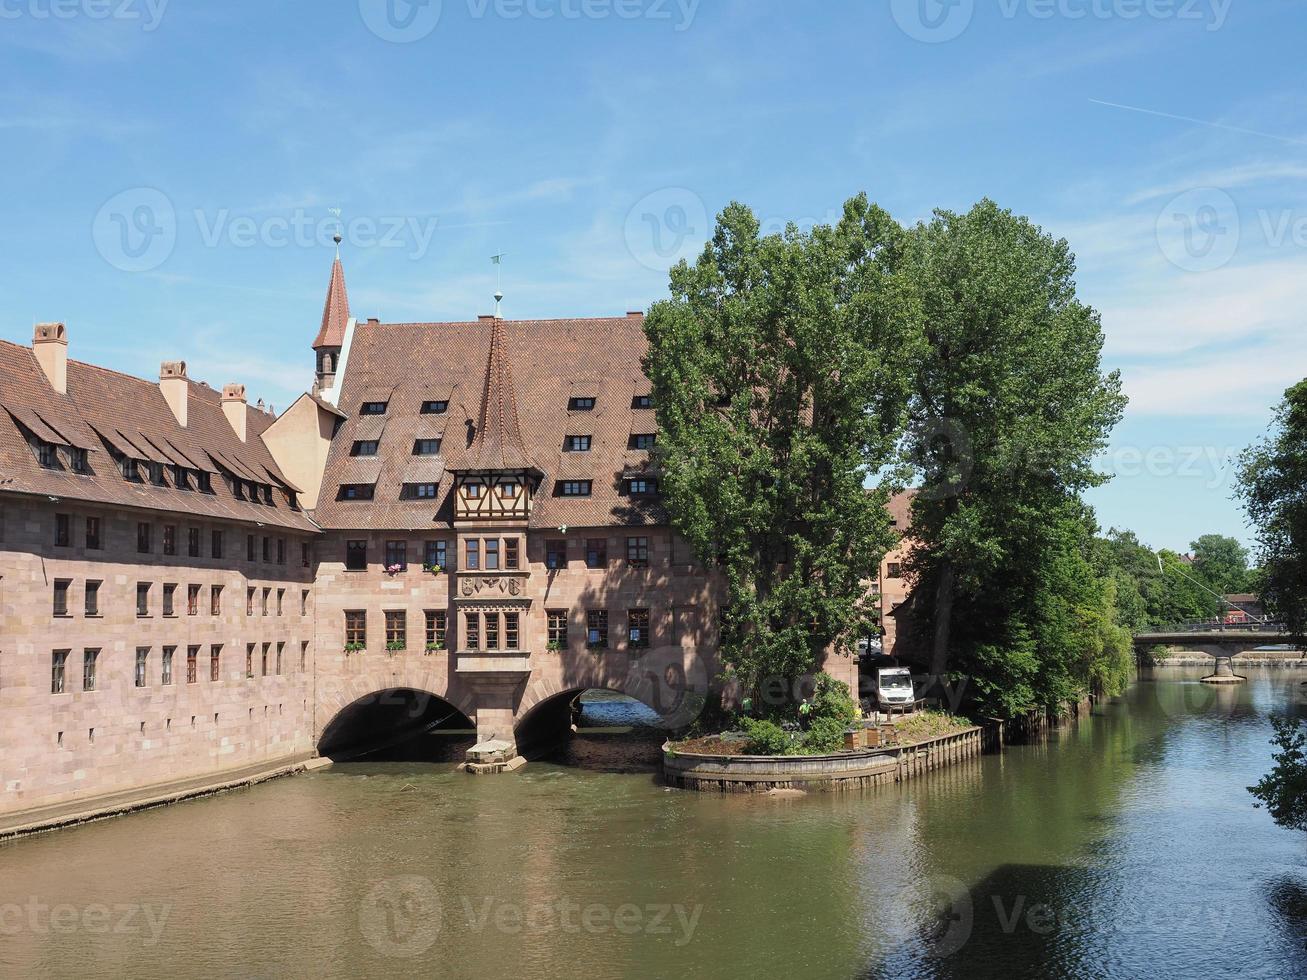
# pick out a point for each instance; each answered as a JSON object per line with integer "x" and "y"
{"x": 339, "y": 693}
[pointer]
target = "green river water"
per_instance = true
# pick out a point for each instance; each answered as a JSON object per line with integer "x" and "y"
{"x": 1125, "y": 846}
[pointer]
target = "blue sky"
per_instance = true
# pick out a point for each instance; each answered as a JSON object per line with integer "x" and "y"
{"x": 171, "y": 167}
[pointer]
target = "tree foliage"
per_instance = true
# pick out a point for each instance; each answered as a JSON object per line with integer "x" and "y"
{"x": 780, "y": 378}
{"x": 1010, "y": 405}
{"x": 1273, "y": 486}
{"x": 1222, "y": 562}
{"x": 1283, "y": 791}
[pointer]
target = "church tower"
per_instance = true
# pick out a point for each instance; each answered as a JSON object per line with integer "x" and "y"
{"x": 331, "y": 336}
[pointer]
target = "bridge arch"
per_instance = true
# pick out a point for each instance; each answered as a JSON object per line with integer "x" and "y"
{"x": 386, "y": 718}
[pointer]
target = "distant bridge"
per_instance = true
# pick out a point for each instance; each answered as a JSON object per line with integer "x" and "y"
{"x": 1222, "y": 641}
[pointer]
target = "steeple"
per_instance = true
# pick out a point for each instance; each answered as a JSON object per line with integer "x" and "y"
{"x": 335, "y": 317}
{"x": 498, "y": 444}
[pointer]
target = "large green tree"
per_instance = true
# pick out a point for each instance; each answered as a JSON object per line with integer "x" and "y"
{"x": 1273, "y": 486}
{"x": 780, "y": 371}
{"x": 1222, "y": 562}
{"x": 1010, "y": 405}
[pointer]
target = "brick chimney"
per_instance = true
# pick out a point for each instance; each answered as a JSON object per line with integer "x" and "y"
{"x": 175, "y": 387}
{"x": 50, "y": 345}
{"x": 233, "y": 406}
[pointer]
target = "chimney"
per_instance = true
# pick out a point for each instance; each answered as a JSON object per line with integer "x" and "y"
{"x": 233, "y": 406}
{"x": 175, "y": 387}
{"x": 50, "y": 345}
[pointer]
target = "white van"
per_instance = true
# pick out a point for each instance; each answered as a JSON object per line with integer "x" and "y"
{"x": 894, "y": 689}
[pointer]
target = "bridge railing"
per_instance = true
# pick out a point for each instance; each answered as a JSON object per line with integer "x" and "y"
{"x": 1217, "y": 625}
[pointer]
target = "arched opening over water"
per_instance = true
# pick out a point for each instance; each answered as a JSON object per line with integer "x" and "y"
{"x": 594, "y": 728}
{"x": 400, "y": 724}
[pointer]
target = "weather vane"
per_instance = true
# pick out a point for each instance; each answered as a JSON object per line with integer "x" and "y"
{"x": 498, "y": 261}
{"x": 338, "y": 238}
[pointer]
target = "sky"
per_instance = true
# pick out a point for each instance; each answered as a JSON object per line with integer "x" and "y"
{"x": 172, "y": 172}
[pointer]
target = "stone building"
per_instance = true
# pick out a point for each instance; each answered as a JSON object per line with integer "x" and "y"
{"x": 463, "y": 510}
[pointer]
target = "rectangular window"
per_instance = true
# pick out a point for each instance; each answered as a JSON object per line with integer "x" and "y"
{"x": 165, "y": 676}
{"x": 192, "y": 600}
{"x": 305, "y": 554}
{"x": 436, "y": 622}
{"x": 509, "y": 491}
{"x": 304, "y": 654}
{"x": 435, "y": 407}
{"x": 356, "y": 491}
{"x": 435, "y": 555}
{"x": 249, "y": 601}
{"x": 143, "y": 538}
{"x": 641, "y": 487}
{"x": 472, "y": 554}
{"x": 63, "y": 535}
{"x": 642, "y": 401}
{"x": 263, "y": 606}
{"x": 78, "y": 458}
{"x": 356, "y": 556}
{"x": 281, "y": 551}
{"x": 426, "y": 447}
{"x": 216, "y": 543}
{"x": 215, "y": 662}
{"x": 555, "y": 554}
{"x": 472, "y": 490}
{"x": 215, "y": 600}
{"x": 472, "y": 622}
{"x": 92, "y": 598}
{"x": 263, "y": 661}
{"x": 492, "y": 554}
{"x": 420, "y": 491}
{"x": 193, "y": 542}
{"x": 637, "y": 628}
{"x": 364, "y": 447}
{"x": 637, "y": 552}
{"x": 61, "y": 586}
{"x": 281, "y": 600}
{"x": 576, "y": 444}
{"x": 893, "y": 570}
{"x": 169, "y": 597}
{"x": 249, "y": 660}
{"x": 581, "y": 404}
{"x": 356, "y": 629}
{"x": 396, "y": 629}
{"x": 304, "y": 602}
{"x": 46, "y": 454}
{"x": 373, "y": 408}
{"x": 142, "y": 663}
{"x": 511, "y": 558}
{"x": 93, "y": 533}
{"x": 596, "y": 553}
{"x": 557, "y": 629}
{"x": 58, "y": 670}
{"x": 170, "y": 539}
{"x": 596, "y": 629}
{"x": 511, "y": 631}
{"x": 396, "y": 555}
{"x": 250, "y": 552}
{"x": 642, "y": 440}
{"x": 89, "y": 659}
{"x": 492, "y": 631}
{"x": 575, "y": 488}
{"x": 281, "y": 649}
{"x": 142, "y": 599}
{"x": 267, "y": 548}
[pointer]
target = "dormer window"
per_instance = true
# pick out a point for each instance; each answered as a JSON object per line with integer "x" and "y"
{"x": 267, "y": 494}
{"x": 472, "y": 490}
{"x": 373, "y": 408}
{"x": 576, "y": 444}
{"x": 508, "y": 490}
{"x": 641, "y": 487}
{"x": 46, "y": 454}
{"x": 582, "y": 404}
{"x": 642, "y": 401}
{"x": 129, "y": 468}
{"x": 156, "y": 474}
{"x": 642, "y": 440}
{"x": 364, "y": 447}
{"x": 205, "y": 482}
{"x": 78, "y": 457}
{"x": 180, "y": 478}
{"x": 420, "y": 491}
{"x": 356, "y": 491}
{"x": 426, "y": 447}
{"x": 575, "y": 488}
{"x": 435, "y": 408}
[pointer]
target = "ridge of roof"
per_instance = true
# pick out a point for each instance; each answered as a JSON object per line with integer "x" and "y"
{"x": 335, "y": 312}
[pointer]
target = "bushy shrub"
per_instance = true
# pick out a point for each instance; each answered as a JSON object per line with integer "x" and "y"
{"x": 766, "y": 738}
{"x": 831, "y": 699}
{"x": 825, "y": 735}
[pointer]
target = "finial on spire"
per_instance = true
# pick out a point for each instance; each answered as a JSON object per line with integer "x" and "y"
{"x": 498, "y": 260}
{"x": 338, "y": 237}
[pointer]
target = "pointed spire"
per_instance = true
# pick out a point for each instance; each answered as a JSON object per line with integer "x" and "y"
{"x": 498, "y": 442}
{"x": 335, "y": 315}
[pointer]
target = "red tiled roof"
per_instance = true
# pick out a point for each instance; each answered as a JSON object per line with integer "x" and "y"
{"x": 335, "y": 314}
{"x": 105, "y": 409}
{"x": 552, "y": 361}
{"x": 497, "y": 444}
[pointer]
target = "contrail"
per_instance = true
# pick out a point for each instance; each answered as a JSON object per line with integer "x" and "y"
{"x": 1201, "y": 122}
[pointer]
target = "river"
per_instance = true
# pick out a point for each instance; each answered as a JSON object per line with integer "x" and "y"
{"x": 1125, "y": 846}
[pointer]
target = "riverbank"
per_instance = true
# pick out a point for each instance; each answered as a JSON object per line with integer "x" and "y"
{"x": 43, "y": 819}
